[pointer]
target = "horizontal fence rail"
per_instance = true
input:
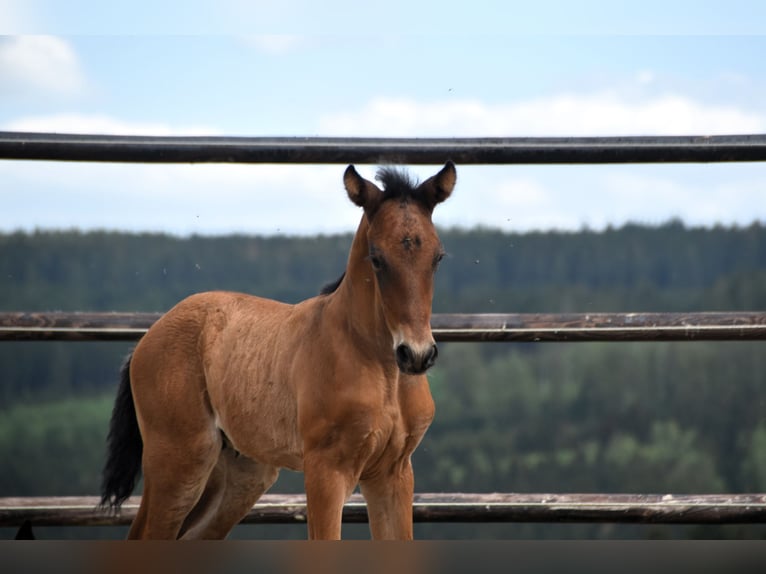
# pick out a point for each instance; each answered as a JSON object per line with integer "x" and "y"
{"x": 314, "y": 150}
{"x": 449, "y": 507}
{"x": 520, "y": 327}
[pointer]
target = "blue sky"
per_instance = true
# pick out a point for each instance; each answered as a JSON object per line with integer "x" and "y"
{"x": 383, "y": 69}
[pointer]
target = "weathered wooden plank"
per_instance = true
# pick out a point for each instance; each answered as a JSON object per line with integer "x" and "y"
{"x": 544, "y": 327}
{"x": 617, "y": 508}
{"x": 432, "y": 507}
{"x": 75, "y": 326}
{"x": 509, "y": 327}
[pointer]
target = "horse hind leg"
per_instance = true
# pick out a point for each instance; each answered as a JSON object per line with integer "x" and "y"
{"x": 174, "y": 481}
{"x": 234, "y": 486}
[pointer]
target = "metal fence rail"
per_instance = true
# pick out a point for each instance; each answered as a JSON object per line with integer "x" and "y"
{"x": 484, "y": 151}
{"x": 500, "y": 327}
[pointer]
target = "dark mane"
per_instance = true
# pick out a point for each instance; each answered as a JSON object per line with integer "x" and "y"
{"x": 333, "y": 286}
{"x": 397, "y": 184}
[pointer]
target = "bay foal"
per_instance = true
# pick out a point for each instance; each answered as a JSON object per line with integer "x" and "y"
{"x": 227, "y": 388}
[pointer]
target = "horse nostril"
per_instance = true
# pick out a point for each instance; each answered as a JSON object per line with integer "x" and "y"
{"x": 408, "y": 362}
{"x": 404, "y": 357}
{"x": 430, "y": 357}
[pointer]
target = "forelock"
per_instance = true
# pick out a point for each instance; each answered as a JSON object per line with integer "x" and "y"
{"x": 398, "y": 184}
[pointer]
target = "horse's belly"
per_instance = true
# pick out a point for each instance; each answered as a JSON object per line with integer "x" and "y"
{"x": 253, "y": 402}
{"x": 281, "y": 449}
{"x": 260, "y": 423}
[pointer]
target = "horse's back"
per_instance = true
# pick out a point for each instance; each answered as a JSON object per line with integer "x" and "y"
{"x": 188, "y": 324}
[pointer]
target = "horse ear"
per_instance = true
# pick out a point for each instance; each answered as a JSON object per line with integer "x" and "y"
{"x": 362, "y": 192}
{"x": 439, "y": 187}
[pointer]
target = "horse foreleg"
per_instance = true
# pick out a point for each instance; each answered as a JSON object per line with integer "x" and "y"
{"x": 327, "y": 489}
{"x": 389, "y": 503}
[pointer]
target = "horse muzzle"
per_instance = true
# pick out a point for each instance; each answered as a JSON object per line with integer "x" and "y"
{"x": 411, "y": 362}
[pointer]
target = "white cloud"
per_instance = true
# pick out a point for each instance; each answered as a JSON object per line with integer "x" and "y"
{"x": 508, "y": 201}
{"x": 39, "y": 66}
{"x": 699, "y": 195}
{"x": 102, "y": 124}
{"x": 560, "y": 115}
{"x": 524, "y": 198}
{"x": 181, "y": 199}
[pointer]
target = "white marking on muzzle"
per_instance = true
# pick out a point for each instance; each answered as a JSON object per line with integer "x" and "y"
{"x": 418, "y": 349}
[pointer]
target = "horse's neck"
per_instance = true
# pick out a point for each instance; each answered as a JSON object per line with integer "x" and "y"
{"x": 356, "y": 296}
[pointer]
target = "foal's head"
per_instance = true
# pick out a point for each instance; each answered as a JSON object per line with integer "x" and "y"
{"x": 404, "y": 251}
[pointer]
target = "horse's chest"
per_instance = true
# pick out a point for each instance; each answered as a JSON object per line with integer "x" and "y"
{"x": 397, "y": 434}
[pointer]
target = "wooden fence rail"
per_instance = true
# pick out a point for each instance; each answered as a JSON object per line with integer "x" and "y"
{"x": 508, "y": 327}
{"x": 429, "y": 507}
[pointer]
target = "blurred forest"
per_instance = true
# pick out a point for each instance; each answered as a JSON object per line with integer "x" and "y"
{"x": 685, "y": 417}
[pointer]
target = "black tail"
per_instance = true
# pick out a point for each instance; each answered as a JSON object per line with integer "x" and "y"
{"x": 124, "y": 447}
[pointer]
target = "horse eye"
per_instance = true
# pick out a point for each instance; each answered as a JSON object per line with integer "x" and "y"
{"x": 376, "y": 262}
{"x": 437, "y": 259}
